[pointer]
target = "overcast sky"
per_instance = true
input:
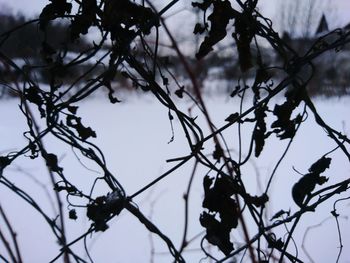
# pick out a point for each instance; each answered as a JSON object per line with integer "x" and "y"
{"x": 340, "y": 8}
{"x": 181, "y": 15}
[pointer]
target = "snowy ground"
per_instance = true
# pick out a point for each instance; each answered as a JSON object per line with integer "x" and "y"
{"x": 134, "y": 136}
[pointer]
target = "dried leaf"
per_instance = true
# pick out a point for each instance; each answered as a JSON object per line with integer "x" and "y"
{"x": 52, "y": 10}
{"x": 219, "y": 19}
{"x": 232, "y": 118}
{"x": 4, "y": 161}
{"x": 73, "y": 214}
{"x": 199, "y": 29}
{"x": 180, "y": 92}
{"x": 279, "y": 214}
{"x": 259, "y": 133}
{"x": 83, "y": 132}
{"x": 218, "y": 153}
{"x": 258, "y": 201}
{"x": 321, "y": 165}
{"x": 217, "y": 234}
{"x": 52, "y": 162}
{"x": 308, "y": 182}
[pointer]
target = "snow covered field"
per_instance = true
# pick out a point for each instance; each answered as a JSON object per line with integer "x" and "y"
{"x": 134, "y": 137}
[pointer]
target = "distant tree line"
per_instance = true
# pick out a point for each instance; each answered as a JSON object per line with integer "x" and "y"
{"x": 30, "y": 43}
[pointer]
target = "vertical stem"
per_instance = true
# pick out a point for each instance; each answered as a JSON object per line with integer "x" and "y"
{"x": 63, "y": 240}
{"x": 198, "y": 93}
{"x": 13, "y": 235}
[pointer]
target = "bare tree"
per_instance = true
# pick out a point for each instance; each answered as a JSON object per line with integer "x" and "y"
{"x": 301, "y": 18}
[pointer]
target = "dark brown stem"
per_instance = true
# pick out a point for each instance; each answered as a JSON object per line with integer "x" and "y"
{"x": 13, "y": 235}
{"x": 151, "y": 227}
{"x": 51, "y": 176}
{"x": 184, "y": 242}
{"x": 7, "y": 247}
{"x": 198, "y": 93}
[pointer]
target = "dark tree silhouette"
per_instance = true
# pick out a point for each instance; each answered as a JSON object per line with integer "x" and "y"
{"x": 121, "y": 46}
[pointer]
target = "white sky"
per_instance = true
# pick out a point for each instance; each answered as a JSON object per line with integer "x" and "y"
{"x": 268, "y": 7}
{"x": 337, "y": 14}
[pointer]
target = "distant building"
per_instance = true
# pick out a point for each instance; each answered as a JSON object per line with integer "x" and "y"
{"x": 347, "y": 27}
{"x": 302, "y": 43}
{"x": 322, "y": 26}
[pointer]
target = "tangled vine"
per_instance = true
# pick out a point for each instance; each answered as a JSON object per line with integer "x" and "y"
{"x": 122, "y": 47}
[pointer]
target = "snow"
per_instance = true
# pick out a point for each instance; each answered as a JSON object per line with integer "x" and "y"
{"x": 134, "y": 136}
